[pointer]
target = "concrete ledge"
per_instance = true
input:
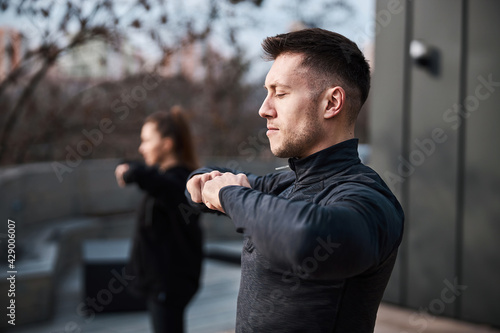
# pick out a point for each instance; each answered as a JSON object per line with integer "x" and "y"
{"x": 34, "y": 286}
{"x": 52, "y": 250}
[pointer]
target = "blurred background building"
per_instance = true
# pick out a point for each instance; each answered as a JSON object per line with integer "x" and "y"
{"x": 10, "y": 50}
{"x": 98, "y": 59}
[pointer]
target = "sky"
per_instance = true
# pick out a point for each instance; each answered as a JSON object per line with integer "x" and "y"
{"x": 254, "y": 23}
{"x": 277, "y": 16}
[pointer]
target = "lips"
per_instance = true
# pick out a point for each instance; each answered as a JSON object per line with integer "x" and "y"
{"x": 271, "y": 130}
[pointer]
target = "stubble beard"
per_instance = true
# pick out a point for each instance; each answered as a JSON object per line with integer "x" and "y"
{"x": 297, "y": 144}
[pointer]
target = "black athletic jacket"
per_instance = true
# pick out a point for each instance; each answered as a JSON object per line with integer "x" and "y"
{"x": 167, "y": 246}
{"x": 320, "y": 245}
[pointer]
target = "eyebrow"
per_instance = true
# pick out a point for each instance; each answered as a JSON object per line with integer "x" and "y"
{"x": 274, "y": 85}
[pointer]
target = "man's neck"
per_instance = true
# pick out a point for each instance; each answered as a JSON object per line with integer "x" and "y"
{"x": 331, "y": 141}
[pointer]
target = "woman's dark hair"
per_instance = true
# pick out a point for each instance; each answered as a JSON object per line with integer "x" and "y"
{"x": 331, "y": 56}
{"x": 173, "y": 124}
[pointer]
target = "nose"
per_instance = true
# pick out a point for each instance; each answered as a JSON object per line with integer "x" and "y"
{"x": 267, "y": 109}
{"x": 141, "y": 149}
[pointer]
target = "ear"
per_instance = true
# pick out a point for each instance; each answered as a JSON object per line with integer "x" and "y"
{"x": 336, "y": 101}
{"x": 167, "y": 144}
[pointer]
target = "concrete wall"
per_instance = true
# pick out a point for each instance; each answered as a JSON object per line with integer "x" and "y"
{"x": 52, "y": 218}
{"x": 32, "y": 193}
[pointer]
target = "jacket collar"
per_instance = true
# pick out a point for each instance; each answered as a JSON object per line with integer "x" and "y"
{"x": 326, "y": 162}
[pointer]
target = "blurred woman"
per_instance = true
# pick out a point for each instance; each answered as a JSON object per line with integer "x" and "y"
{"x": 167, "y": 247}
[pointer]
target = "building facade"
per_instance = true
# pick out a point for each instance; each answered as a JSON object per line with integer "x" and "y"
{"x": 435, "y": 112}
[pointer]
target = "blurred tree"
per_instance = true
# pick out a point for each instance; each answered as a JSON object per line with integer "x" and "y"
{"x": 47, "y": 116}
{"x": 65, "y": 115}
{"x": 58, "y": 26}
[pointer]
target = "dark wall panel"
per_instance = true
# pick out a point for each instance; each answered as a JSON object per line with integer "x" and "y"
{"x": 481, "y": 254}
{"x": 433, "y": 155}
{"x": 387, "y": 113}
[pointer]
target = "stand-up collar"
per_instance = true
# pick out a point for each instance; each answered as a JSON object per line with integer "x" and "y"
{"x": 325, "y": 162}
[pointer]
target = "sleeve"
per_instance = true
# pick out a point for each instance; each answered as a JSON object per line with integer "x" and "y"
{"x": 339, "y": 240}
{"x": 152, "y": 181}
{"x": 266, "y": 184}
{"x": 200, "y": 207}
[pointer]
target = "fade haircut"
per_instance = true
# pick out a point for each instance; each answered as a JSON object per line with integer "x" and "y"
{"x": 333, "y": 58}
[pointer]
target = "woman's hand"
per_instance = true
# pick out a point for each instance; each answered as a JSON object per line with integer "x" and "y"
{"x": 119, "y": 171}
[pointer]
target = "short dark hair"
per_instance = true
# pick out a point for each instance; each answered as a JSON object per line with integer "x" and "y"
{"x": 328, "y": 54}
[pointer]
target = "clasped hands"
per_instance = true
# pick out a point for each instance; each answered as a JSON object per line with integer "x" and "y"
{"x": 204, "y": 188}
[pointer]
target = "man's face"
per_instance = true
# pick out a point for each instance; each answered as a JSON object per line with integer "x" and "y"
{"x": 292, "y": 109}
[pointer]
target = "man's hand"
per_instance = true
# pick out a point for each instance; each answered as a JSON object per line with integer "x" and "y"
{"x": 119, "y": 171}
{"x": 196, "y": 183}
{"x": 205, "y": 188}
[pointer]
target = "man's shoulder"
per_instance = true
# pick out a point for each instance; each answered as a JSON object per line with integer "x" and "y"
{"x": 356, "y": 174}
{"x": 360, "y": 180}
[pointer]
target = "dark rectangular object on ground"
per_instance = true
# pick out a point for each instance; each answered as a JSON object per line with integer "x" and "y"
{"x": 106, "y": 286}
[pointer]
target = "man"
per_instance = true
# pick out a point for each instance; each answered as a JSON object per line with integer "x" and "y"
{"x": 321, "y": 239}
